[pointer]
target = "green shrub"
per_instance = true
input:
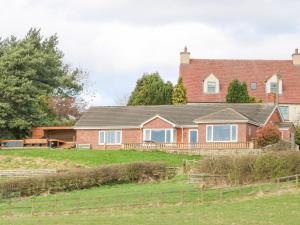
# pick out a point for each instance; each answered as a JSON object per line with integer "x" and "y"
{"x": 238, "y": 169}
{"x": 279, "y": 164}
{"x": 247, "y": 169}
{"x": 81, "y": 179}
{"x": 267, "y": 135}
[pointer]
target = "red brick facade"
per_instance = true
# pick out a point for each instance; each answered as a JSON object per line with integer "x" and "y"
{"x": 246, "y": 132}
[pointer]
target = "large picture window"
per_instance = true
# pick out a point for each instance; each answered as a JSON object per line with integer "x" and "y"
{"x": 110, "y": 137}
{"x": 221, "y": 133}
{"x": 158, "y": 135}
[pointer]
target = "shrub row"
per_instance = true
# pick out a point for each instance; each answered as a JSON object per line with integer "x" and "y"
{"x": 82, "y": 179}
{"x": 247, "y": 169}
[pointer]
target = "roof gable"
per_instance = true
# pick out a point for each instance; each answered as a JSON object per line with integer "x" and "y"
{"x": 224, "y": 115}
{"x": 155, "y": 117}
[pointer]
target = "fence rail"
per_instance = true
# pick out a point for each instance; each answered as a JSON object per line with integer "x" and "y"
{"x": 188, "y": 146}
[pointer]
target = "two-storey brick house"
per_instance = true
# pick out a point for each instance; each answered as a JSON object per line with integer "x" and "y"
{"x": 269, "y": 81}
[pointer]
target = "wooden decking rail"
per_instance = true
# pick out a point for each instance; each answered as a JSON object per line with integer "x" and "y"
{"x": 187, "y": 146}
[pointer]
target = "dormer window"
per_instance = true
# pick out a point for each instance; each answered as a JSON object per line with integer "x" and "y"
{"x": 211, "y": 85}
{"x": 271, "y": 85}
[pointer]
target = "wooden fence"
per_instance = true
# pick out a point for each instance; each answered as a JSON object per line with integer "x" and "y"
{"x": 57, "y": 205}
{"x": 189, "y": 146}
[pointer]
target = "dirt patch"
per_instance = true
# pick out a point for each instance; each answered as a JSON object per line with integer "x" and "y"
{"x": 16, "y": 162}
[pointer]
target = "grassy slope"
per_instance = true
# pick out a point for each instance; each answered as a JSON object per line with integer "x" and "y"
{"x": 94, "y": 158}
{"x": 227, "y": 211}
{"x": 276, "y": 209}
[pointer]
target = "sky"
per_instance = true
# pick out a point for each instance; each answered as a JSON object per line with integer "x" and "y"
{"x": 116, "y": 41}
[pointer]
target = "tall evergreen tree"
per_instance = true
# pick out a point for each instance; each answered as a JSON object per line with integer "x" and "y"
{"x": 238, "y": 93}
{"x": 179, "y": 93}
{"x": 151, "y": 90}
{"x": 31, "y": 71}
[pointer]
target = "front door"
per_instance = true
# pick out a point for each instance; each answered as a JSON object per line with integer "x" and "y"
{"x": 193, "y": 136}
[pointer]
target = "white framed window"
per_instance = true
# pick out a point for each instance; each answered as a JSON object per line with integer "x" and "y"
{"x": 274, "y": 84}
{"x": 193, "y": 136}
{"x": 284, "y": 110}
{"x": 110, "y": 137}
{"x": 222, "y": 133}
{"x": 158, "y": 135}
{"x": 211, "y": 87}
{"x": 273, "y": 87}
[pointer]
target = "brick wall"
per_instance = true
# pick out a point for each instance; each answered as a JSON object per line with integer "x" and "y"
{"x": 242, "y": 132}
{"x": 92, "y": 137}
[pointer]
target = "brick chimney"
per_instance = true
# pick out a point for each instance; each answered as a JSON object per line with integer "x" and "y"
{"x": 296, "y": 58}
{"x": 185, "y": 56}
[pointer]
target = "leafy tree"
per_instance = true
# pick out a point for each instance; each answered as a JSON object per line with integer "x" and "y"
{"x": 151, "y": 90}
{"x": 238, "y": 93}
{"x": 267, "y": 135}
{"x": 31, "y": 71}
{"x": 179, "y": 93}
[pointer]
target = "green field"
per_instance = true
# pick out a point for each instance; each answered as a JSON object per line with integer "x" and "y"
{"x": 170, "y": 202}
{"x": 96, "y": 158}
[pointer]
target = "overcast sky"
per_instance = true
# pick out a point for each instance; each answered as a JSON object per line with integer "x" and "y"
{"x": 116, "y": 41}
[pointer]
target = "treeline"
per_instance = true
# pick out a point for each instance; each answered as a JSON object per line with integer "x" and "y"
{"x": 150, "y": 89}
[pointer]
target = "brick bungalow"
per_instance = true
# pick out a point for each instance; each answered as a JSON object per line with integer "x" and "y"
{"x": 269, "y": 81}
{"x": 201, "y": 126}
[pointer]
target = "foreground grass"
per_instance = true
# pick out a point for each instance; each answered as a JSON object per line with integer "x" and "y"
{"x": 96, "y": 158}
{"x": 273, "y": 209}
{"x": 169, "y": 192}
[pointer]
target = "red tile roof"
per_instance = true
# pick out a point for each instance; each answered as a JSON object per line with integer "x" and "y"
{"x": 257, "y": 71}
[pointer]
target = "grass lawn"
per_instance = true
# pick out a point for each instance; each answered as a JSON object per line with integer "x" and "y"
{"x": 95, "y": 158}
{"x": 279, "y": 208}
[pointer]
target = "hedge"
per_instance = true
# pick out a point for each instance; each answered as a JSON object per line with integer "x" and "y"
{"x": 248, "y": 169}
{"x": 81, "y": 179}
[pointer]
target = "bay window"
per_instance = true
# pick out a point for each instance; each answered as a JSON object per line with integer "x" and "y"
{"x": 110, "y": 137}
{"x": 158, "y": 135}
{"x": 221, "y": 133}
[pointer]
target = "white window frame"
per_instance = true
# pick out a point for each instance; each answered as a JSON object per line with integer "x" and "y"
{"x": 274, "y": 79}
{"x": 276, "y": 88}
{"x": 171, "y": 134}
{"x": 190, "y": 135}
{"x": 216, "y": 125}
{"x": 215, "y": 85}
{"x": 105, "y": 131}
